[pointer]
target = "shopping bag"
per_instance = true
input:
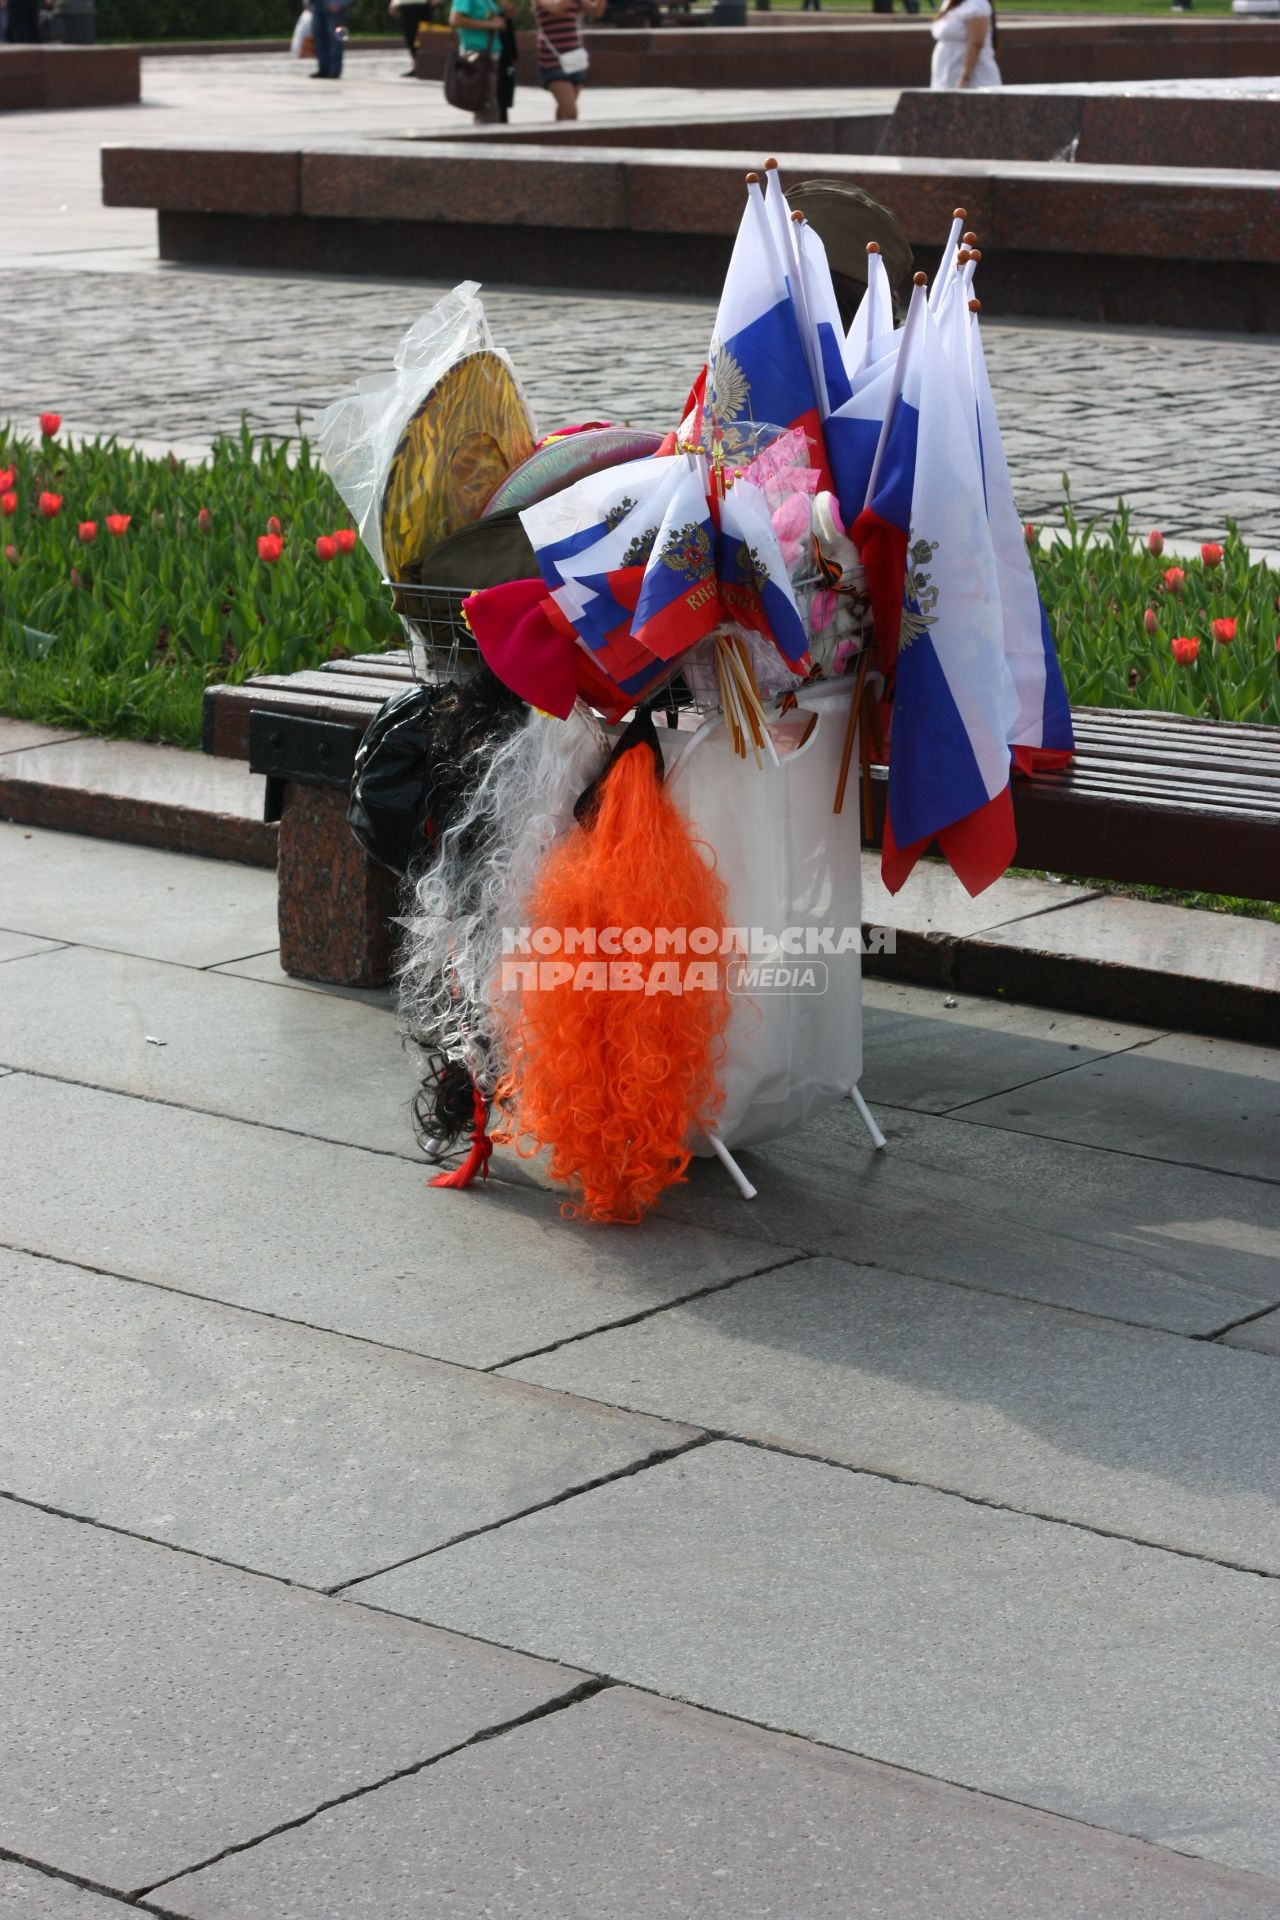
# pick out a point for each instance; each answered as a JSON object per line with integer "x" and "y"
{"x": 303, "y": 46}
{"x": 470, "y": 81}
{"x": 793, "y": 872}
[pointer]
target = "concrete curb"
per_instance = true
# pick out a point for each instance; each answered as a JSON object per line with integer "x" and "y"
{"x": 1133, "y": 979}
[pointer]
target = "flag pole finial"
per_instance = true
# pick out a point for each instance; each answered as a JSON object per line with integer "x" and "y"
{"x": 919, "y": 279}
{"x": 959, "y": 213}
{"x": 798, "y": 218}
{"x": 771, "y": 166}
{"x": 970, "y": 239}
{"x": 975, "y": 306}
{"x": 975, "y": 254}
{"x": 753, "y": 179}
{"x": 873, "y": 246}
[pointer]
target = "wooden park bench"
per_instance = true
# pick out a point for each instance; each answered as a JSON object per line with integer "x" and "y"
{"x": 1150, "y": 798}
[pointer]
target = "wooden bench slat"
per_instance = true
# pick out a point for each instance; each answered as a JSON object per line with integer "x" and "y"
{"x": 1265, "y": 793}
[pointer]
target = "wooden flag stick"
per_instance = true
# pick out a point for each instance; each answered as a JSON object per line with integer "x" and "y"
{"x": 859, "y": 681}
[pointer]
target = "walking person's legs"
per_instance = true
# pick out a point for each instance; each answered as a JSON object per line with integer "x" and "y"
{"x": 565, "y": 95}
{"x": 321, "y": 33}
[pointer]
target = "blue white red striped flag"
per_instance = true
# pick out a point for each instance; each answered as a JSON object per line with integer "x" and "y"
{"x": 758, "y": 369}
{"x": 931, "y": 570}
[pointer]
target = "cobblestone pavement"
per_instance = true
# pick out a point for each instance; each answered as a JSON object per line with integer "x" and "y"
{"x": 1186, "y": 428}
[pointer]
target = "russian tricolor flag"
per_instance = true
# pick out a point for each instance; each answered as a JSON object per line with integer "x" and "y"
{"x": 931, "y": 571}
{"x": 1042, "y": 737}
{"x": 758, "y": 370}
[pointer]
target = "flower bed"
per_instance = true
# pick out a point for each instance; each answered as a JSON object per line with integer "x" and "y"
{"x": 1137, "y": 627}
{"x": 129, "y": 583}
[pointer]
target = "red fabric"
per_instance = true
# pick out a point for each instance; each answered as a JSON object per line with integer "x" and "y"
{"x": 480, "y": 1152}
{"x": 526, "y": 651}
{"x": 978, "y": 848}
{"x": 882, "y": 549}
{"x": 1033, "y": 760}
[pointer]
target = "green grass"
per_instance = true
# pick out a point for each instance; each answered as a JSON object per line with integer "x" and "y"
{"x": 1099, "y": 584}
{"x": 122, "y": 635}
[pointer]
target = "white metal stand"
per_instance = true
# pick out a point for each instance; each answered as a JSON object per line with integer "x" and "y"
{"x": 868, "y": 1119}
{"x": 731, "y": 1166}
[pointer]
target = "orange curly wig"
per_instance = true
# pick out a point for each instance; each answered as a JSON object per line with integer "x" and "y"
{"x": 617, "y": 1083}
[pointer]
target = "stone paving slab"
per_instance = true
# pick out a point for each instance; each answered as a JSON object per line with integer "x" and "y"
{"x": 1208, "y": 1103}
{"x": 1144, "y": 1434}
{"x": 283, "y": 1450}
{"x": 347, "y": 1240}
{"x": 330, "y": 1068}
{"x": 1089, "y": 1677}
{"x": 1169, "y": 941}
{"x": 933, "y": 1050}
{"x": 630, "y": 1808}
{"x": 1262, "y": 1335}
{"x": 28, "y": 1895}
{"x": 1104, "y": 1233}
{"x": 163, "y": 1708}
{"x": 266, "y": 967}
{"x": 164, "y": 906}
{"x": 934, "y": 903}
{"x": 138, "y": 770}
{"x": 18, "y": 946}
{"x": 17, "y": 736}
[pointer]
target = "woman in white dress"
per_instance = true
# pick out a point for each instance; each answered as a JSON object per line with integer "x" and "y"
{"x": 964, "y": 45}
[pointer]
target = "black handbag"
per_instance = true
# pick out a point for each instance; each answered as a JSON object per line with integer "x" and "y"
{"x": 471, "y": 81}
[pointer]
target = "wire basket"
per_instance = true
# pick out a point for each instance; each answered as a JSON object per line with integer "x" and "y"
{"x": 441, "y": 644}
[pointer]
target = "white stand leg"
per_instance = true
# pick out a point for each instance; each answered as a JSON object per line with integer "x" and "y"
{"x": 731, "y": 1166}
{"x": 868, "y": 1119}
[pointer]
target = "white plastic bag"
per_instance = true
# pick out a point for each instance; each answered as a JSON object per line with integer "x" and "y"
{"x": 792, "y": 867}
{"x": 358, "y": 436}
{"x": 302, "y": 32}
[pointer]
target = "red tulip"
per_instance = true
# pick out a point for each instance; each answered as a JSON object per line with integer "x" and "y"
{"x": 51, "y": 505}
{"x": 346, "y": 539}
{"x": 1029, "y": 533}
{"x": 204, "y": 520}
{"x": 1224, "y": 632}
{"x": 273, "y": 525}
{"x": 7, "y": 479}
{"x": 11, "y": 555}
{"x": 1184, "y": 649}
{"x": 49, "y": 423}
{"x": 1155, "y": 541}
{"x": 270, "y": 547}
{"x": 326, "y": 546}
{"x": 8, "y": 503}
{"x": 88, "y": 531}
{"x": 118, "y": 523}
{"x": 1174, "y": 579}
{"x": 1211, "y": 553}
{"x": 1150, "y": 620}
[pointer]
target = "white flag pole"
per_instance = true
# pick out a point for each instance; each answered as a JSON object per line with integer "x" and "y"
{"x": 958, "y": 219}
{"x": 917, "y": 313}
{"x": 969, "y": 269}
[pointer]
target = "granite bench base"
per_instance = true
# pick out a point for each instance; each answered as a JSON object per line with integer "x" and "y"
{"x": 1142, "y": 246}
{"x": 866, "y": 51}
{"x": 1121, "y": 290}
{"x": 32, "y": 78}
{"x": 1102, "y": 127}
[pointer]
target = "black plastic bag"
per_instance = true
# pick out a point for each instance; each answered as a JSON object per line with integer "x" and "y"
{"x": 390, "y": 786}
